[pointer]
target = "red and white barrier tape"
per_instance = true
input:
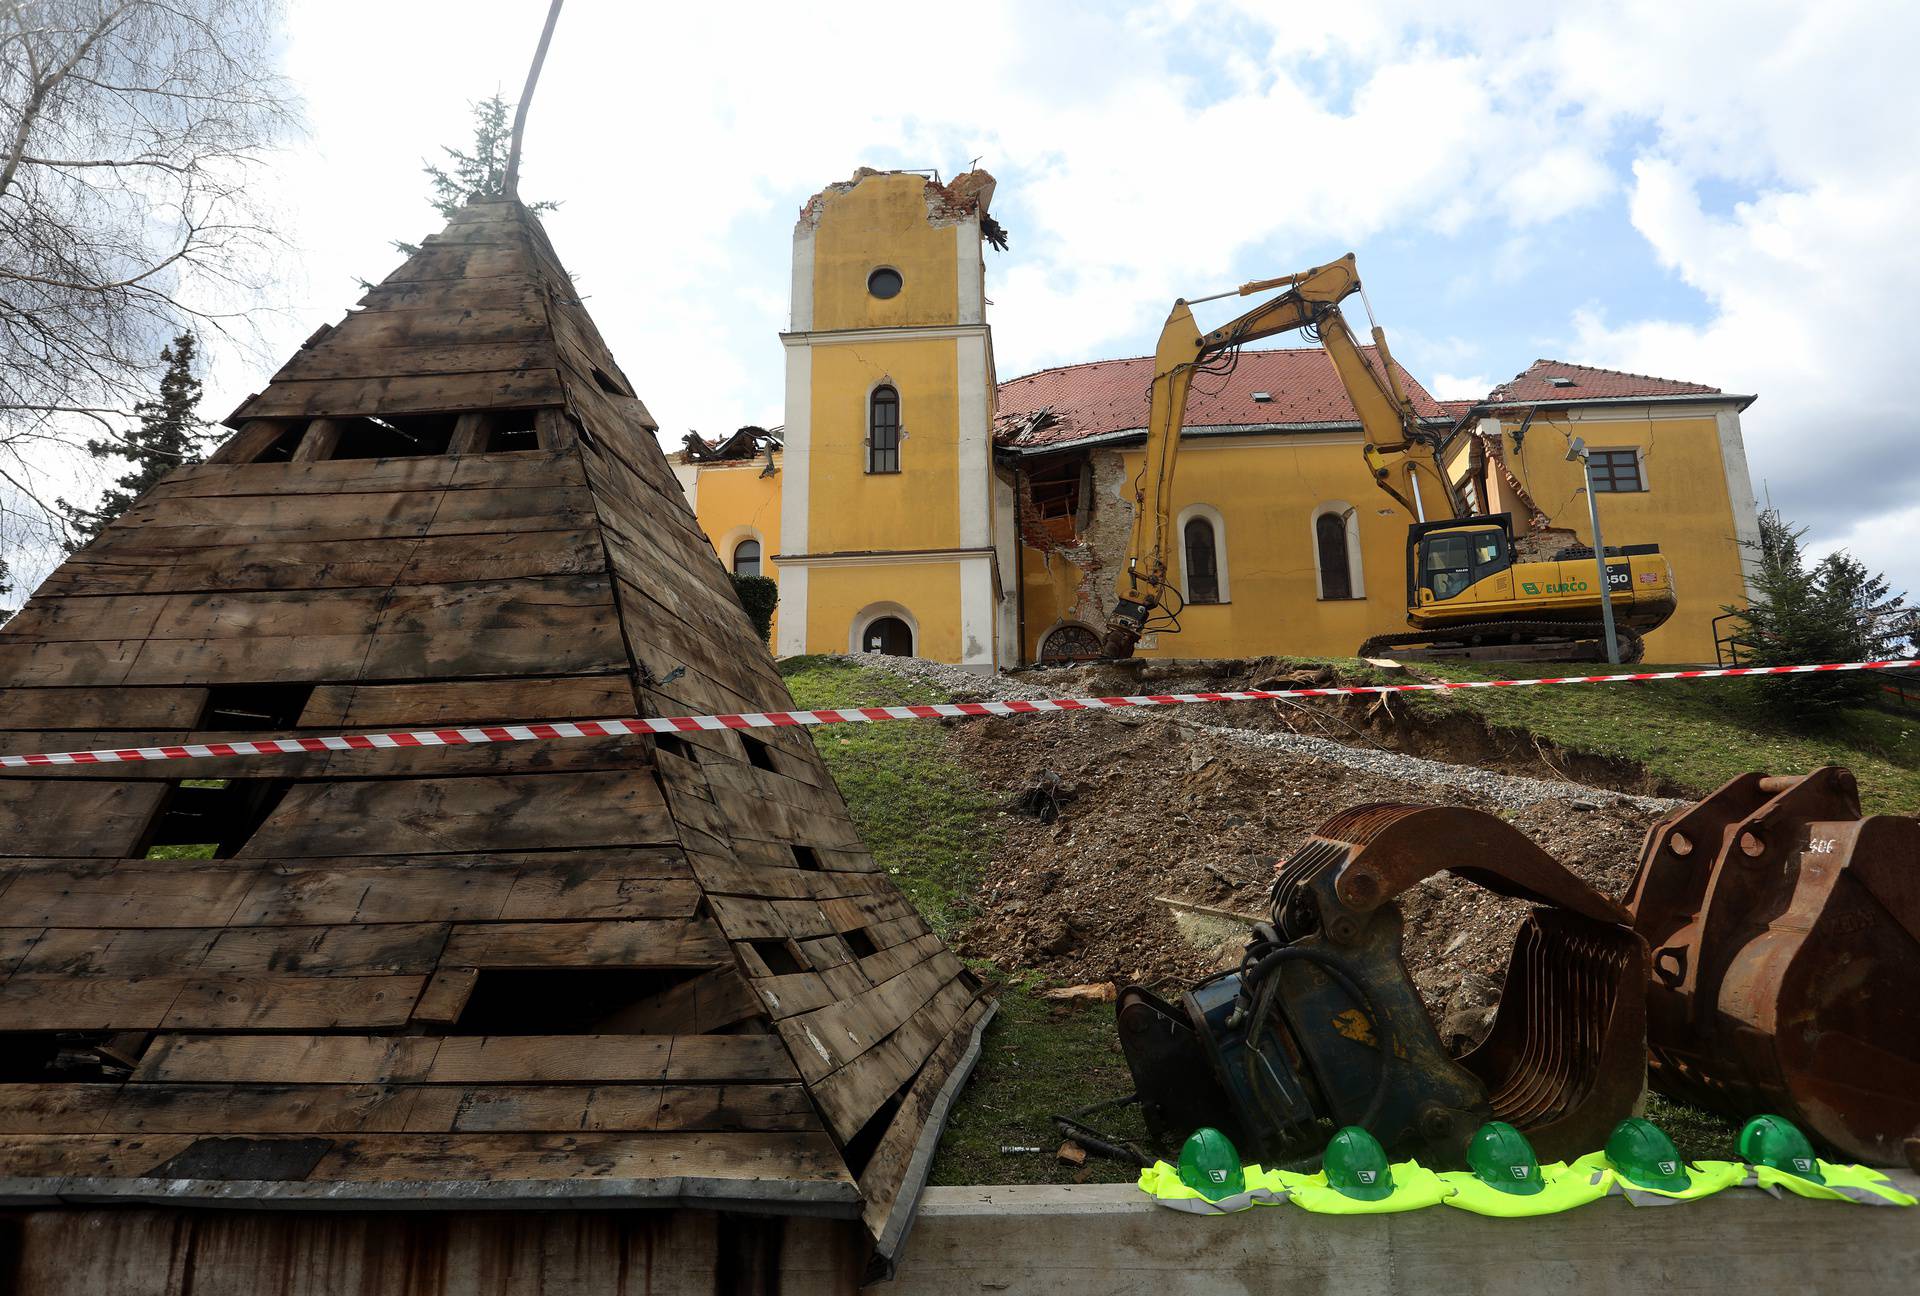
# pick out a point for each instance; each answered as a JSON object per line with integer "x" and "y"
{"x": 551, "y": 729}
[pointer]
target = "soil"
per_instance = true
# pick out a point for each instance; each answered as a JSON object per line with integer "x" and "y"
{"x": 1148, "y": 806}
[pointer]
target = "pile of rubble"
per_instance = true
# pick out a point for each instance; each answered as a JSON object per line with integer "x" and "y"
{"x": 1130, "y": 840}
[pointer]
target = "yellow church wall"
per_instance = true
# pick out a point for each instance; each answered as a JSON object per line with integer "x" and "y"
{"x": 882, "y": 221}
{"x": 1267, "y": 493}
{"x": 915, "y": 508}
{"x": 735, "y": 502}
{"x": 929, "y": 593}
{"x": 1685, "y": 509}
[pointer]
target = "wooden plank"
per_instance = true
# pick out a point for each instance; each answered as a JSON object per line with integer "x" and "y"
{"x": 16, "y": 943}
{"x": 29, "y": 1003}
{"x": 614, "y": 890}
{"x": 465, "y": 1059}
{"x": 288, "y": 1003}
{"x": 101, "y": 708}
{"x": 74, "y": 817}
{"x": 461, "y": 261}
{"x": 307, "y": 1059}
{"x": 469, "y": 432}
{"x": 126, "y": 893}
{"x": 319, "y": 441}
{"x": 567, "y": 1059}
{"x": 430, "y": 816}
{"x": 446, "y": 326}
{"x": 452, "y": 888}
{"x": 160, "y": 526}
{"x": 55, "y": 1108}
{"x": 445, "y": 997}
{"x": 851, "y": 1095}
{"x": 349, "y": 362}
{"x": 498, "y": 292}
{"x": 40, "y": 1003}
{"x": 408, "y": 394}
{"x": 385, "y": 949}
{"x": 122, "y": 952}
{"x": 333, "y": 564}
{"x": 88, "y": 1156}
{"x": 644, "y": 943}
{"x": 884, "y": 1177}
{"x": 516, "y": 471}
{"x": 826, "y": 1039}
{"x": 802, "y": 1157}
{"x": 258, "y": 1109}
{"x": 246, "y": 445}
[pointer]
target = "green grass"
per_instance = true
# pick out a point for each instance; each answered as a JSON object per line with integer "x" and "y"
{"x": 1038, "y": 1059}
{"x": 1695, "y": 735}
{"x": 920, "y": 813}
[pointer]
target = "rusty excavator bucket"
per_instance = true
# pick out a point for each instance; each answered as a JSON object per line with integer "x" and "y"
{"x": 1321, "y": 1026}
{"x": 1785, "y": 938}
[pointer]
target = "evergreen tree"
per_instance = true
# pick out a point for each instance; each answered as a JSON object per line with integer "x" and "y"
{"x": 1832, "y": 610}
{"x": 171, "y": 433}
{"x": 482, "y": 171}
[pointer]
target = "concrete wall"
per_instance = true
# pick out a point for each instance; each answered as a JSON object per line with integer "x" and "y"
{"x": 1093, "y": 1241}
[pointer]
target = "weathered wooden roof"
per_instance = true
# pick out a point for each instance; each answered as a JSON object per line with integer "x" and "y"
{"x": 621, "y": 970}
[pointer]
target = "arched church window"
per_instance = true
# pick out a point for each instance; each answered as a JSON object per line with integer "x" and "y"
{"x": 883, "y": 431}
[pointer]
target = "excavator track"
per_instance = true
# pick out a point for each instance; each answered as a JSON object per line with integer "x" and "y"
{"x": 1501, "y": 640}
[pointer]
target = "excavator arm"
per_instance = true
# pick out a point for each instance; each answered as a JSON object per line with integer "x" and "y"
{"x": 1311, "y": 302}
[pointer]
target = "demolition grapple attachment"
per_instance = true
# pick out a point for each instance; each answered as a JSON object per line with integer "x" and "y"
{"x": 1785, "y": 932}
{"x": 1321, "y": 1027}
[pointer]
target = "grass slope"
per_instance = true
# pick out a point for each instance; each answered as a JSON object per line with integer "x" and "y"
{"x": 930, "y": 827}
{"x": 1695, "y": 734}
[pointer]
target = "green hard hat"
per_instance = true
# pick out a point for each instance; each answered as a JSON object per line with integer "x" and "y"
{"x": 1645, "y": 1157}
{"x": 1210, "y": 1166}
{"x": 1356, "y": 1166}
{"x": 1500, "y": 1157}
{"x": 1777, "y": 1142}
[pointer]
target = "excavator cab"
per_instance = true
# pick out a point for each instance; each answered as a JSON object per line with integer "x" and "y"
{"x": 1453, "y": 559}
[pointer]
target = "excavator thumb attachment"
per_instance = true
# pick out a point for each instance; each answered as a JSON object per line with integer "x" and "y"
{"x": 1321, "y": 1025}
{"x": 1785, "y": 931}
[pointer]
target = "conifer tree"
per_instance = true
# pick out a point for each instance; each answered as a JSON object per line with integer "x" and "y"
{"x": 482, "y": 171}
{"x": 1833, "y": 610}
{"x": 171, "y": 433}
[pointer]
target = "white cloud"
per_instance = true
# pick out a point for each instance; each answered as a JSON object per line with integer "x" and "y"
{"x": 1170, "y": 150}
{"x": 1446, "y": 386}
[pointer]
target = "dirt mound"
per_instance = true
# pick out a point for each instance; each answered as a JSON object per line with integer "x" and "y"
{"x": 1149, "y": 806}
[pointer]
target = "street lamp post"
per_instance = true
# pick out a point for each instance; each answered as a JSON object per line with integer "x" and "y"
{"x": 1578, "y": 450}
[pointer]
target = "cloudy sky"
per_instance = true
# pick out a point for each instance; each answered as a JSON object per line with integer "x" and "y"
{"x": 1724, "y": 193}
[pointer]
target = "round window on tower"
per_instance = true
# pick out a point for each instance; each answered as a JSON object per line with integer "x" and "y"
{"x": 884, "y": 282}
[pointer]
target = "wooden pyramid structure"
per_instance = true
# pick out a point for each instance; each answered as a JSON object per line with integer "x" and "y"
{"x": 629, "y": 971}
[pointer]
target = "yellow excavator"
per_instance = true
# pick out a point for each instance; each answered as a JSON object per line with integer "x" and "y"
{"x": 1469, "y": 593}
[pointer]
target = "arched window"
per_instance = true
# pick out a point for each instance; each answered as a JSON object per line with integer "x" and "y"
{"x": 889, "y": 635}
{"x": 1203, "y": 567}
{"x": 883, "y": 431}
{"x": 1336, "y": 547}
{"x": 746, "y": 558}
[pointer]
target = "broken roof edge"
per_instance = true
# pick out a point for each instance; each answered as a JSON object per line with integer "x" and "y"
{"x": 1119, "y": 436}
{"x": 966, "y": 196}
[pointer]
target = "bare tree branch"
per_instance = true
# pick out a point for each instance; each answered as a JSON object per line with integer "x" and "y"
{"x": 131, "y": 132}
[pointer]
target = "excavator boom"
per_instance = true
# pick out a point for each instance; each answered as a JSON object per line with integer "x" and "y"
{"x": 1311, "y": 302}
{"x": 1469, "y": 594}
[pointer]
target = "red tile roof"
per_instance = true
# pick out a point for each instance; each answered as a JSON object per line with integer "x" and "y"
{"x": 1110, "y": 396}
{"x": 1583, "y": 382}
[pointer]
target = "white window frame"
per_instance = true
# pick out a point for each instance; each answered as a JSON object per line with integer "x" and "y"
{"x": 731, "y": 541}
{"x": 1212, "y": 515}
{"x": 1356, "y": 574}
